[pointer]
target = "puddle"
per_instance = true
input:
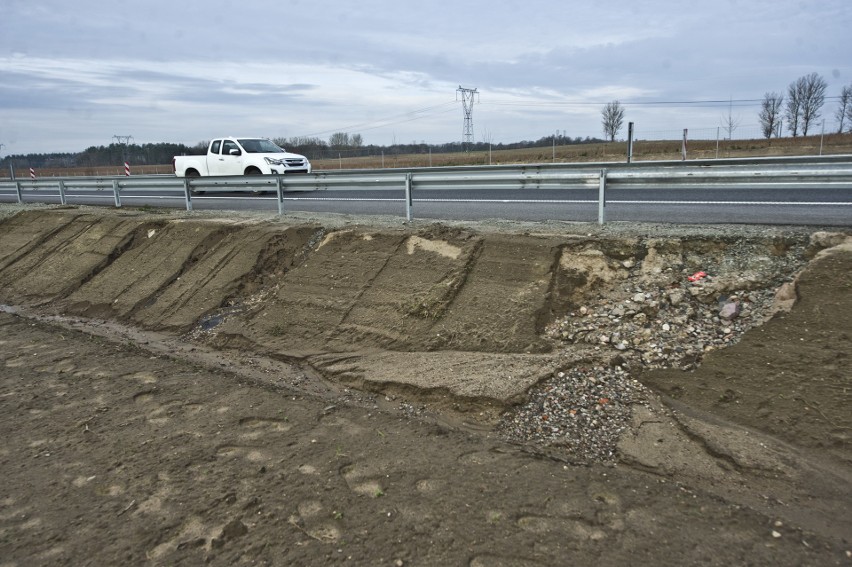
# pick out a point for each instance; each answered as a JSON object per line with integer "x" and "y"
{"x": 213, "y": 320}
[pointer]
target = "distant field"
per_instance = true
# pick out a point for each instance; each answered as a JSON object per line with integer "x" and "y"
{"x": 607, "y": 152}
{"x": 600, "y": 152}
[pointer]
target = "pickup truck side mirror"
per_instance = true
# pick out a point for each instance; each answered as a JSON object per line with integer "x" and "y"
{"x": 235, "y": 152}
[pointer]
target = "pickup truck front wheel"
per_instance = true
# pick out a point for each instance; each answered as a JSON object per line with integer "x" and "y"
{"x": 254, "y": 171}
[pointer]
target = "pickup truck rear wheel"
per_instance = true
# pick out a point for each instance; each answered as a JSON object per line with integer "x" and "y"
{"x": 194, "y": 173}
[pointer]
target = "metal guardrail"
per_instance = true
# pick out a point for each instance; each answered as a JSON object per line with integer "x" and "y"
{"x": 745, "y": 174}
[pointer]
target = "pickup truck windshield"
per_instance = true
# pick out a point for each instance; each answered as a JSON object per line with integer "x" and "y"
{"x": 259, "y": 146}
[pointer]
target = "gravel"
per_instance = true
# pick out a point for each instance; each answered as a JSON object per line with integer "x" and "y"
{"x": 582, "y": 412}
{"x": 669, "y": 319}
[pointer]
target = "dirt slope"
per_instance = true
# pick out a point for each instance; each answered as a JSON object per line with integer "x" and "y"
{"x": 182, "y": 390}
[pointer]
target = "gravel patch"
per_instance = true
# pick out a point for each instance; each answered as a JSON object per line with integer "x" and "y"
{"x": 581, "y": 412}
{"x": 669, "y": 319}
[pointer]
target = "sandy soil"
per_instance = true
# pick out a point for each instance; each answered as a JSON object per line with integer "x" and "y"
{"x": 179, "y": 390}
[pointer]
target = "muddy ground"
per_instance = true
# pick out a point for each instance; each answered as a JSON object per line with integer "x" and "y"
{"x": 180, "y": 389}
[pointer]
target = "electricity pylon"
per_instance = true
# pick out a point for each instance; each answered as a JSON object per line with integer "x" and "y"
{"x": 467, "y": 97}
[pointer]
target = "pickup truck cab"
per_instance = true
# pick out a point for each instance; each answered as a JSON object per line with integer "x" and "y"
{"x": 241, "y": 156}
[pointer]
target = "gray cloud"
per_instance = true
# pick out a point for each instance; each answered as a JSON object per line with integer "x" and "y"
{"x": 185, "y": 71}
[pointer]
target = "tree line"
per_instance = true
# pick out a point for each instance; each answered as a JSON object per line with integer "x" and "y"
{"x": 345, "y": 145}
{"x": 113, "y": 154}
{"x": 338, "y": 144}
{"x": 801, "y": 108}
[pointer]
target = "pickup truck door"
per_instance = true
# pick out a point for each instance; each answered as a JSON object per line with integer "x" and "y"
{"x": 224, "y": 163}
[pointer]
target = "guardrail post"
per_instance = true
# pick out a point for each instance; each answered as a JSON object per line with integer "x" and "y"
{"x": 280, "y": 191}
{"x": 62, "y": 191}
{"x": 116, "y": 194}
{"x": 187, "y": 192}
{"x": 602, "y": 198}
{"x": 18, "y": 189}
{"x": 408, "y": 201}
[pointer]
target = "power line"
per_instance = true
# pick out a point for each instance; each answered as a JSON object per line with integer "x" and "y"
{"x": 467, "y": 131}
{"x": 694, "y": 103}
{"x": 409, "y": 116}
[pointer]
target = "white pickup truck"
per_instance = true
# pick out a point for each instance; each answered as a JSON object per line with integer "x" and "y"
{"x": 241, "y": 156}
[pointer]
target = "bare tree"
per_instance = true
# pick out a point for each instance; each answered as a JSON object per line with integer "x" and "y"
{"x": 805, "y": 98}
{"x": 813, "y": 97}
{"x": 794, "y": 107}
{"x": 849, "y": 117}
{"x": 844, "y": 110}
{"x": 612, "y": 117}
{"x": 339, "y": 140}
{"x": 770, "y": 113}
{"x": 730, "y": 123}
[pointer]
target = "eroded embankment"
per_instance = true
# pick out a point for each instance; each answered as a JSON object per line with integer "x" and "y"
{"x": 450, "y": 312}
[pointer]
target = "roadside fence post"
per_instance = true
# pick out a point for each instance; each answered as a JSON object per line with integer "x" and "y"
{"x": 602, "y": 198}
{"x": 717, "y": 142}
{"x": 408, "y": 200}
{"x": 116, "y": 194}
{"x": 187, "y": 193}
{"x": 62, "y": 191}
{"x": 280, "y": 191}
{"x": 629, "y": 142}
{"x": 18, "y": 189}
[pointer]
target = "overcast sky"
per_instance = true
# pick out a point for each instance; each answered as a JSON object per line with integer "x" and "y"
{"x": 73, "y": 74}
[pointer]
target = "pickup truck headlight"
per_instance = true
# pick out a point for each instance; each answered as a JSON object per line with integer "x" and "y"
{"x": 272, "y": 161}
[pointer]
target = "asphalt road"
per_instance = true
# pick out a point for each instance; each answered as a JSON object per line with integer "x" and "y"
{"x": 783, "y": 205}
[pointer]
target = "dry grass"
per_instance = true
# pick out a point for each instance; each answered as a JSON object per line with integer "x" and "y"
{"x": 602, "y": 152}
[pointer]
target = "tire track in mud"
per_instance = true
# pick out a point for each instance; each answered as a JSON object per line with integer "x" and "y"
{"x": 218, "y": 276}
{"x": 410, "y": 295}
{"x": 136, "y": 277}
{"x": 67, "y": 257}
{"x": 495, "y": 311}
{"x": 19, "y": 236}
